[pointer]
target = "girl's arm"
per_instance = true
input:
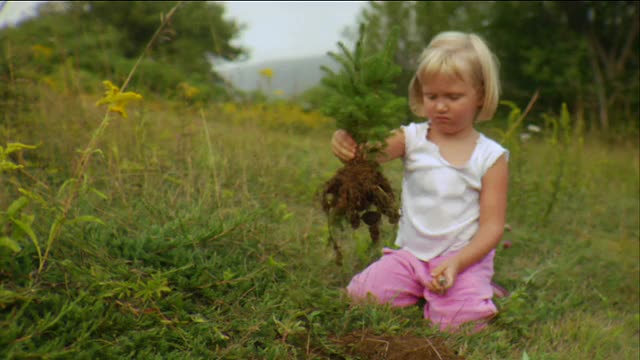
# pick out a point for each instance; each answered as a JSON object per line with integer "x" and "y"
{"x": 493, "y": 208}
{"x": 344, "y": 147}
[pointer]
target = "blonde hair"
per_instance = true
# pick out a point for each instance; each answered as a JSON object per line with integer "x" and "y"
{"x": 466, "y": 56}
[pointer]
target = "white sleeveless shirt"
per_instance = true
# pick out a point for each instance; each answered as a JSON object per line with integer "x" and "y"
{"x": 440, "y": 202}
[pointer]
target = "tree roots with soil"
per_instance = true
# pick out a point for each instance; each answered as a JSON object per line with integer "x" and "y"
{"x": 357, "y": 193}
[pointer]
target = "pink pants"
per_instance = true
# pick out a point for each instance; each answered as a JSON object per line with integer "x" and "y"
{"x": 399, "y": 278}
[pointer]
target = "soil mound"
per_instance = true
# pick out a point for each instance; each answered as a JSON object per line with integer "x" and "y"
{"x": 365, "y": 345}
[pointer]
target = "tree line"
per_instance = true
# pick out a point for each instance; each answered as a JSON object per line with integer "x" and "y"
{"x": 583, "y": 53}
{"x": 105, "y": 39}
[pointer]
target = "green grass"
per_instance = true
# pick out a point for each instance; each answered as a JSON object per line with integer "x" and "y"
{"x": 216, "y": 248}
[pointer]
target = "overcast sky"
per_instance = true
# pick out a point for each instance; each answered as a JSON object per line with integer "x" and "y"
{"x": 293, "y": 29}
{"x": 274, "y": 29}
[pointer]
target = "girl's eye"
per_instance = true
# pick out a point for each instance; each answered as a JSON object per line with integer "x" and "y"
{"x": 451, "y": 97}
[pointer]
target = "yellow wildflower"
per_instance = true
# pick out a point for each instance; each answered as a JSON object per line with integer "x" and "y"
{"x": 229, "y": 108}
{"x": 267, "y": 72}
{"x": 41, "y": 51}
{"x": 188, "y": 91}
{"x": 117, "y": 100}
{"x": 47, "y": 80}
{"x": 279, "y": 92}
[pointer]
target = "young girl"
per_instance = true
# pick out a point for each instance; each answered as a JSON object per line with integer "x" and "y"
{"x": 454, "y": 190}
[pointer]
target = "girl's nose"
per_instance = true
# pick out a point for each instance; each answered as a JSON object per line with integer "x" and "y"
{"x": 441, "y": 106}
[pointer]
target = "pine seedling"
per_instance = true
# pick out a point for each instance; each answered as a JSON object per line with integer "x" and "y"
{"x": 363, "y": 103}
{"x": 361, "y": 98}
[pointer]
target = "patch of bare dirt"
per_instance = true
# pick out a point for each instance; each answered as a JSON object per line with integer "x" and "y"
{"x": 365, "y": 345}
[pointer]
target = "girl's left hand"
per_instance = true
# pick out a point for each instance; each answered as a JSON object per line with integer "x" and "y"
{"x": 444, "y": 276}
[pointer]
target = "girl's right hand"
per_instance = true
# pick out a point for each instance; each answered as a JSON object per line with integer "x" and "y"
{"x": 343, "y": 145}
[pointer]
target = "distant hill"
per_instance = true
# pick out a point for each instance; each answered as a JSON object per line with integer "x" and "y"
{"x": 291, "y": 76}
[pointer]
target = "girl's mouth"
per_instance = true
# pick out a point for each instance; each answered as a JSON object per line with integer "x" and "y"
{"x": 442, "y": 119}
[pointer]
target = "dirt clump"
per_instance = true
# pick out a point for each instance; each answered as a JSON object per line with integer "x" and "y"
{"x": 359, "y": 192}
{"x": 366, "y": 346}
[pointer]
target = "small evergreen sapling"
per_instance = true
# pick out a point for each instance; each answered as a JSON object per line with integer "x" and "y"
{"x": 362, "y": 101}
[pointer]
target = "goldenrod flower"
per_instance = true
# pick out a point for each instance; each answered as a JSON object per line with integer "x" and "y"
{"x": 267, "y": 72}
{"x": 47, "y": 80}
{"x": 42, "y": 51}
{"x": 188, "y": 91}
{"x": 117, "y": 100}
{"x": 229, "y": 108}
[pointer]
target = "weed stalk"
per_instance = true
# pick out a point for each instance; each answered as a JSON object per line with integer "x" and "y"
{"x": 212, "y": 159}
{"x": 81, "y": 168}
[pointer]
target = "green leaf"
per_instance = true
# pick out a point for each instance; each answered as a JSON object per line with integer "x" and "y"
{"x": 34, "y": 197}
{"x": 13, "y": 147}
{"x": 17, "y": 205}
{"x": 328, "y": 71}
{"x": 8, "y": 165}
{"x": 26, "y": 228}
{"x": 525, "y": 356}
{"x": 197, "y": 318}
{"x": 64, "y": 186}
{"x": 274, "y": 263}
{"x": 346, "y": 52}
{"x": 100, "y": 194}
{"x": 228, "y": 275}
{"x": 10, "y": 243}
{"x": 8, "y": 297}
{"x": 86, "y": 218}
{"x": 53, "y": 231}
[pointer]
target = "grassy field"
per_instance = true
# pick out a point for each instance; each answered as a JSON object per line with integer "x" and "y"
{"x": 211, "y": 243}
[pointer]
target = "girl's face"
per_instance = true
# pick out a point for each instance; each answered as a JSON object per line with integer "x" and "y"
{"x": 450, "y": 103}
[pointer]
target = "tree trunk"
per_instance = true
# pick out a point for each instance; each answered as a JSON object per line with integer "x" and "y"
{"x": 601, "y": 91}
{"x": 578, "y": 127}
